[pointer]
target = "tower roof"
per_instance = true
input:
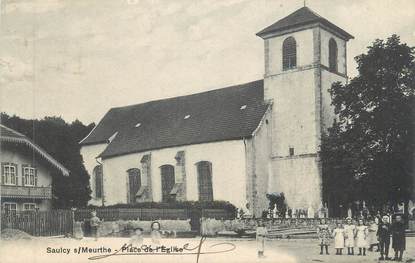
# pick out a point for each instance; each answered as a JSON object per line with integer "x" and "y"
{"x": 301, "y": 17}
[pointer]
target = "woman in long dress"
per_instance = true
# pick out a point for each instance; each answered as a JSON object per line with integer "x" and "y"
{"x": 361, "y": 237}
{"x": 349, "y": 230}
{"x": 338, "y": 235}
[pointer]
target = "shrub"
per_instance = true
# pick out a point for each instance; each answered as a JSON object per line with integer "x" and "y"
{"x": 178, "y": 205}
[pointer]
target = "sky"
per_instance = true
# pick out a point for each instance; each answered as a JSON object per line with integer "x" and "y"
{"x": 78, "y": 58}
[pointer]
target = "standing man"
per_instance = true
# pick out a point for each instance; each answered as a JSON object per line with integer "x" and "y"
{"x": 398, "y": 237}
{"x": 384, "y": 232}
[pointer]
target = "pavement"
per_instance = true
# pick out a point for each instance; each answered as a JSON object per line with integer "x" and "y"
{"x": 196, "y": 250}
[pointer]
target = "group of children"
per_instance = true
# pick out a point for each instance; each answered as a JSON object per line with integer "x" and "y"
{"x": 364, "y": 237}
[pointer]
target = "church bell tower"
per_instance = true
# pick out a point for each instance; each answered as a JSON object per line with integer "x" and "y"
{"x": 304, "y": 55}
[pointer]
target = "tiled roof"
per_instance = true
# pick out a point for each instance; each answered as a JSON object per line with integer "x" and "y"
{"x": 9, "y": 135}
{"x": 210, "y": 116}
{"x": 302, "y": 16}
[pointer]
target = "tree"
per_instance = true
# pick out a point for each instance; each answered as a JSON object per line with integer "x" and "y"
{"x": 368, "y": 154}
{"x": 61, "y": 140}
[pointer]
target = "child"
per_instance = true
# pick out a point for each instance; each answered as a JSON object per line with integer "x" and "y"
{"x": 94, "y": 221}
{"x": 324, "y": 236}
{"x": 261, "y": 232}
{"x": 398, "y": 237}
{"x": 137, "y": 238}
{"x": 155, "y": 232}
{"x": 349, "y": 230}
{"x": 338, "y": 235}
{"x": 372, "y": 238}
{"x": 361, "y": 237}
{"x": 384, "y": 231}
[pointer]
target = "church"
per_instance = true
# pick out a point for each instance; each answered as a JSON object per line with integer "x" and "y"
{"x": 236, "y": 143}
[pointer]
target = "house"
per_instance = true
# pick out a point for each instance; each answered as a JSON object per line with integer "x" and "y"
{"x": 26, "y": 173}
{"x": 235, "y": 143}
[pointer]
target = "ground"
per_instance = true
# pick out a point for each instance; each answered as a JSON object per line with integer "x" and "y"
{"x": 243, "y": 250}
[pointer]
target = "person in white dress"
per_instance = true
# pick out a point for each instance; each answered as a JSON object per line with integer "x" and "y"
{"x": 338, "y": 235}
{"x": 361, "y": 237}
{"x": 261, "y": 233}
{"x": 349, "y": 230}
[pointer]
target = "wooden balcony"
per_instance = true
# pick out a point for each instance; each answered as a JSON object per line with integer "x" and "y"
{"x": 14, "y": 191}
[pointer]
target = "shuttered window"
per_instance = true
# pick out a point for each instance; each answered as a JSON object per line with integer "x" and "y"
{"x": 204, "y": 180}
{"x": 289, "y": 53}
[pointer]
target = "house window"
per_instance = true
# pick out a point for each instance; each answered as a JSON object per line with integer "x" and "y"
{"x": 9, "y": 174}
{"x": 98, "y": 181}
{"x": 291, "y": 151}
{"x": 333, "y": 55}
{"x": 10, "y": 207}
{"x": 29, "y": 206}
{"x": 134, "y": 183}
{"x": 289, "y": 53}
{"x": 167, "y": 181}
{"x": 29, "y": 176}
{"x": 204, "y": 181}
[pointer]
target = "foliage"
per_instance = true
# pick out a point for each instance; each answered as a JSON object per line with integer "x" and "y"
{"x": 179, "y": 205}
{"x": 368, "y": 154}
{"x": 61, "y": 140}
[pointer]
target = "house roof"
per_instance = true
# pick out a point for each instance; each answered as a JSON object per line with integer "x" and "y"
{"x": 9, "y": 135}
{"x": 217, "y": 115}
{"x": 301, "y": 17}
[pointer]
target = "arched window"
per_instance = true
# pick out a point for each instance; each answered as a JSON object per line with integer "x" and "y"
{"x": 98, "y": 181}
{"x": 204, "y": 181}
{"x": 167, "y": 181}
{"x": 332, "y": 55}
{"x": 289, "y": 53}
{"x": 134, "y": 183}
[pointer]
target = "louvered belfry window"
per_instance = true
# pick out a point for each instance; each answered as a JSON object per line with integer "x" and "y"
{"x": 289, "y": 53}
{"x": 333, "y": 55}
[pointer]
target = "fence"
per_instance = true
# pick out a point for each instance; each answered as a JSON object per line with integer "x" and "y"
{"x": 150, "y": 214}
{"x": 40, "y": 223}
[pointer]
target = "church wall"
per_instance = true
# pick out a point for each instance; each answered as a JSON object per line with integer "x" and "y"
{"x": 294, "y": 112}
{"x": 327, "y": 79}
{"x": 89, "y": 153}
{"x": 298, "y": 177}
{"x": 228, "y": 171}
{"x": 258, "y": 152}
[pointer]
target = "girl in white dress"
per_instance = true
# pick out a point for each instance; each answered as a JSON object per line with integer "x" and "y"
{"x": 349, "y": 230}
{"x": 261, "y": 232}
{"x": 338, "y": 235}
{"x": 361, "y": 237}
